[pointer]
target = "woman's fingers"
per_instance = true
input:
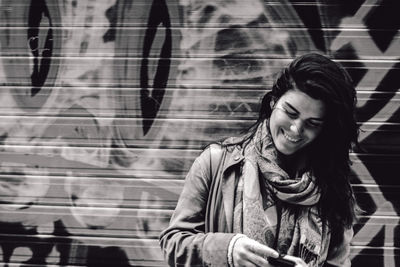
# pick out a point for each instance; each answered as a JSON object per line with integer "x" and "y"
{"x": 248, "y": 252}
{"x": 263, "y": 250}
{"x": 258, "y": 260}
{"x": 299, "y": 262}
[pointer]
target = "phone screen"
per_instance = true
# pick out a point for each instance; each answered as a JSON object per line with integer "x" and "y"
{"x": 281, "y": 262}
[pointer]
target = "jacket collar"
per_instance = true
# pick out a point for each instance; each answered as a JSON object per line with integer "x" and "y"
{"x": 234, "y": 156}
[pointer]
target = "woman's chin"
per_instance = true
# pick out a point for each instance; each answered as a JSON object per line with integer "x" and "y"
{"x": 288, "y": 150}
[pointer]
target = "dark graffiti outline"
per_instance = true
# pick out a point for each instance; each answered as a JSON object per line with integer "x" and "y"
{"x": 40, "y": 69}
{"x": 151, "y": 101}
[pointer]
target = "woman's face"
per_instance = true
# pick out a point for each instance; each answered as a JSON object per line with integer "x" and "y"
{"x": 296, "y": 120}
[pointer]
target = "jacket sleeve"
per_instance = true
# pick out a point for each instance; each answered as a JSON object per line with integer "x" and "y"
{"x": 184, "y": 242}
{"x": 340, "y": 255}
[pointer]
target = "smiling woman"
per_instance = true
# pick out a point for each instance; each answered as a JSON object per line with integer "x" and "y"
{"x": 281, "y": 188}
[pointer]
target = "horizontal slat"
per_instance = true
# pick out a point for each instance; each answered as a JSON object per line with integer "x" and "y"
{"x": 102, "y": 212}
{"x": 148, "y": 227}
{"x": 192, "y": 133}
{"x": 376, "y": 169}
{"x": 380, "y": 256}
{"x": 367, "y": 169}
{"x": 98, "y": 223}
{"x": 125, "y": 162}
{"x": 230, "y": 103}
{"x": 197, "y": 73}
{"x": 362, "y": 256}
{"x": 87, "y": 162}
{"x": 149, "y": 249}
{"x": 378, "y": 199}
{"x": 145, "y": 223}
{"x": 115, "y": 261}
{"x": 228, "y": 42}
{"x": 137, "y": 192}
{"x": 98, "y": 251}
{"x": 378, "y": 106}
{"x": 380, "y": 137}
{"x": 18, "y": 190}
{"x": 146, "y": 190}
{"x": 281, "y": 12}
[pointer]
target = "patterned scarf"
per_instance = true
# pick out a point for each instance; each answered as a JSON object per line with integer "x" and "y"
{"x": 264, "y": 187}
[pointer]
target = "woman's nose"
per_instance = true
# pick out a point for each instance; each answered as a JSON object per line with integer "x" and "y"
{"x": 293, "y": 128}
{"x": 297, "y": 126}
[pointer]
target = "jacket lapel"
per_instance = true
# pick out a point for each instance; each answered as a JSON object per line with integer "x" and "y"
{"x": 228, "y": 183}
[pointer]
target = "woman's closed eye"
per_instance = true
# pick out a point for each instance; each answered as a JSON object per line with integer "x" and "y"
{"x": 314, "y": 124}
{"x": 291, "y": 114}
{"x": 311, "y": 123}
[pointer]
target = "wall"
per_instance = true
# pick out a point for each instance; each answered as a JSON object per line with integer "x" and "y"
{"x": 105, "y": 104}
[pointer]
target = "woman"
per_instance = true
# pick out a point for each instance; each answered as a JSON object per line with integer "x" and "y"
{"x": 282, "y": 188}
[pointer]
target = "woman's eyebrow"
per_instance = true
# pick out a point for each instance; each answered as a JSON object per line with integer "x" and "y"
{"x": 290, "y": 106}
{"x": 295, "y": 110}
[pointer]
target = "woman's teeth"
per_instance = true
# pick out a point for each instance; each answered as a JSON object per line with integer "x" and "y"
{"x": 291, "y": 139}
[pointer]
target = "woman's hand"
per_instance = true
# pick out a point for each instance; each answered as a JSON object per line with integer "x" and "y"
{"x": 299, "y": 262}
{"x": 249, "y": 253}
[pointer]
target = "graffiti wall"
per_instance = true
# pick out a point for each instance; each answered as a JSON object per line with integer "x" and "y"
{"x": 104, "y": 104}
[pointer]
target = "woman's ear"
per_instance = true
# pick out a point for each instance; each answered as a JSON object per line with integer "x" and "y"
{"x": 272, "y": 104}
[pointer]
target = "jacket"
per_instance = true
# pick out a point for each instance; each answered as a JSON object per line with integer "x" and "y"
{"x": 201, "y": 226}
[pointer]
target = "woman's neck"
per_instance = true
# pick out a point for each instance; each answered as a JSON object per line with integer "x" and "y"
{"x": 293, "y": 165}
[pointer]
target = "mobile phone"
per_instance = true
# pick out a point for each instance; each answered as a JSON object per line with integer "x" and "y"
{"x": 280, "y": 261}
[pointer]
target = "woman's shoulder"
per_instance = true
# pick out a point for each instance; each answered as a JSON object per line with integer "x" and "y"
{"x": 222, "y": 150}
{"x": 233, "y": 141}
{"x": 227, "y": 145}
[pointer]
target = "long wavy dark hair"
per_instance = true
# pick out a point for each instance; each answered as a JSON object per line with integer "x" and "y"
{"x": 325, "y": 80}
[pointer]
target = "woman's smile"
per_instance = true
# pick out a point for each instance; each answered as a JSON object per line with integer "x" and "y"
{"x": 291, "y": 138}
